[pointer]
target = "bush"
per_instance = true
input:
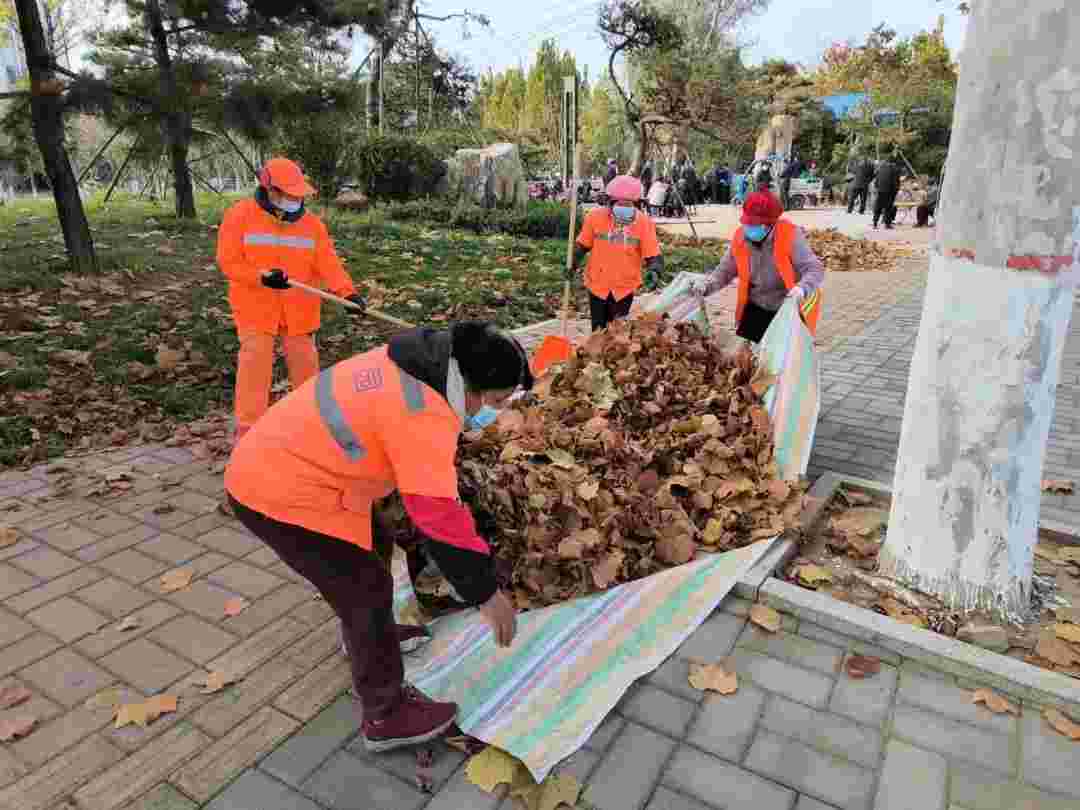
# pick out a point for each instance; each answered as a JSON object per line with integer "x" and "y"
{"x": 392, "y": 168}
{"x": 542, "y": 219}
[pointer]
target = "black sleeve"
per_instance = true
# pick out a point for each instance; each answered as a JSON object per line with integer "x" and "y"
{"x": 655, "y": 263}
{"x": 580, "y": 252}
{"x": 470, "y": 573}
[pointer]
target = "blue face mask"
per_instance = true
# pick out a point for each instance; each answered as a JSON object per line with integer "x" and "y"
{"x": 481, "y": 419}
{"x": 755, "y": 233}
{"x": 289, "y": 206}
{"x": 624, "y": 214}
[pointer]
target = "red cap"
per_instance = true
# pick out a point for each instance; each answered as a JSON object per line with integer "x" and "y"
{"x": 761, "y": 208}
{"x": 283, "y": 174}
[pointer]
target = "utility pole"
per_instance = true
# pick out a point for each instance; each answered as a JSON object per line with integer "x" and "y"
{"x": 998, "y": 301}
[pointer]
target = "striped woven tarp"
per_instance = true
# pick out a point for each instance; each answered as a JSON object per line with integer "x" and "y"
{"x": 794, "y": 402}
{"x": 570, "y": 664}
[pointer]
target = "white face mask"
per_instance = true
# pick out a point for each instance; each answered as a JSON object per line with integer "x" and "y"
{"x": 289, "y": 206}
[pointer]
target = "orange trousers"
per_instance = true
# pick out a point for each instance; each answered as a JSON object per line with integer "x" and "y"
{"x": 255, "y": 372}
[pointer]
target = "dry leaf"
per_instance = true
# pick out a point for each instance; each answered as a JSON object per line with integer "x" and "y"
{"x": 895, "y": 609}
{"x": 765, "y": 617}
{"x": 145, "y": 712}
{"x": 1068, "y": 632}
{"x": 176, "y": 579}
{"x": 606, "y": 571}
{"x": 1058, "y": 487}
{"x": 1061, "y": 724}
{"x": 860, "y": 666}
{"x": 812, "y": 575}
{"x": 106, "y": 699}
{"x": 676, "y": 549}
{"x": 994, "y": 702}
{"x": 129, "y": 623}
{"x": 14, "y": 695}
{"x": 14, "y": 727}
{"x": 713, "y": 677}
{"x": 168, "y": 359}
{"x": 1057, "y": 651}
{"x": 562, "y": 789}
{"x": 492, "y": 767}
{"x": 1070, "y": 615}
{"x": 862, "y": 521}
{"x": 216, "y": 681}
{"x": 9, "y": 536}
{"x": 235, "y": 606}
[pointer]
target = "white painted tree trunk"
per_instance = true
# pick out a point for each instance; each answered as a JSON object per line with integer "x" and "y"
{"x": 980, "y": 397}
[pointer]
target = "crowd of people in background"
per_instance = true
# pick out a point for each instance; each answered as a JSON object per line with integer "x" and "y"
{"x": 887, "y": 178}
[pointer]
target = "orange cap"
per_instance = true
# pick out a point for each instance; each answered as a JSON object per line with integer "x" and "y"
{"x": 283, "y": 174}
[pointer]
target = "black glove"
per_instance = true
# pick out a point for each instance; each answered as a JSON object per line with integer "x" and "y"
{"x": 276, "y": 280}
{"x": 360, "y": 302}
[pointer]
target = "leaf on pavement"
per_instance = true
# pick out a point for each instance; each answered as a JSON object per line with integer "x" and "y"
{"x": 765, "y": 617}
{"x": 9, "y": 536}
{"x": 562, "y": 789}
{"x": 861, "y": 666}
{"x": 216, "y": 681}
{"x": 812, "y": 575}
{"x": 13, "y": 696}
{"x": 493, "y": 767}
{"x": 994, "y": 702}
{"x": 713, "y": 677}
{"x": 1058, "y": 487}
{"x": 176, "y": 579}
{"x": 1068, "y": 632}
{"x": 129, "y": 623}
{"x": 1062, "y": 724}
{"x": 235, "y": 606}
{"x": 14, "y": 727}
{"x": 106, "y": 699}
{"x": 145, "y": 712}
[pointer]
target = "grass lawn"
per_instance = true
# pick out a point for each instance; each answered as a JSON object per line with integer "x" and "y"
{"x": 81, "y": 360}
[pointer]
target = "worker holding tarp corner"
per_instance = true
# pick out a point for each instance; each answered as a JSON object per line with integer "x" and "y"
{"x": 771, "y": 259}
{"x": 621, "y": 239}
{"x": 262, "y": 243}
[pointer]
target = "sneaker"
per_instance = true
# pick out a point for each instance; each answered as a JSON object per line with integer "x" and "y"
{"x": 416, "y": 719}
{"x": 411, "y": 637}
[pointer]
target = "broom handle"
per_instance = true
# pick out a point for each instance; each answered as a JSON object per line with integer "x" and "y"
{"x": 374, "y": 313}
{"x": 570, "y": 240}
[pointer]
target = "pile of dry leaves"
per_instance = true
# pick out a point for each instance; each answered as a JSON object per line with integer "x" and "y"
{"x": 841, "y": 254}
{"x": 650, "y": 443}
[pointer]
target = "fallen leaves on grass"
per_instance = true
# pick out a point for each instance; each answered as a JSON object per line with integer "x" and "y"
{"x": 765, "y": 617}
{"x": 1058, "y": 487}
{"x": 14, "y": 727}
{"x": 861, "y": 666}
{"x": 144, "y": 712}
{"x": 176, "y": 580}
{"x": 14, "y": 695}
{"x": 215, "y": 681}
{"x": 713, "y": 677}
{"x": 235, "y": 606}
{"x": 996, "y": 703}
{"x": 1062, "y": 724}
{"x": 9, "y": 536}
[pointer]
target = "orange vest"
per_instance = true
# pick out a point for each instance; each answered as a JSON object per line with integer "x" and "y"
{"x": 251, "y": 242}
{"x": 322, "y": 456}
{"x": 783, "y": 241}
{"x": 616, "y": 255}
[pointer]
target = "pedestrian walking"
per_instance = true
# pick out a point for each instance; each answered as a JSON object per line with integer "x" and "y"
{"x": 863, "y": 175}
{"x": 887, "y": 183}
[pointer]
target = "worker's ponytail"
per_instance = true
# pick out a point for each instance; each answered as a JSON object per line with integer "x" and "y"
{"x": 489, "y": 359}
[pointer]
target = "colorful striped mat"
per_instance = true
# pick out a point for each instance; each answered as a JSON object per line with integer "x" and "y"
{"x": 794, "y": 402}
{"x": 542, "y": 698}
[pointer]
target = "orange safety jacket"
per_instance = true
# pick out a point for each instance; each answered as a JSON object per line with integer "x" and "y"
{"x": 617, "y": 254}
{"x": 321, "y": 457}
{"x": 783, "y": 239}
{"x": 252, "y": 241}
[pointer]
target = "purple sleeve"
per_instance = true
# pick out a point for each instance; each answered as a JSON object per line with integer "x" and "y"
{"x": 723, "y": 274}
{"x": 808, "y": 267}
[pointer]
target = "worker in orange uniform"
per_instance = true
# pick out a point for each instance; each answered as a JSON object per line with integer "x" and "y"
{"x": 621, "y": 239}
{"x": 262, "y": 243}
{"x": 306, "y": 479}
{"x": 771, "y": 259}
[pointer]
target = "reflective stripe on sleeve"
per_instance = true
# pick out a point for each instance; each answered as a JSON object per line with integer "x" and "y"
{"x": 334, "y": 418}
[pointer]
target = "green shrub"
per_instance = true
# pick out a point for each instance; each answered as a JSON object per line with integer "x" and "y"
{"x": 392, "y": 168}
{"x": 542, "y": 219}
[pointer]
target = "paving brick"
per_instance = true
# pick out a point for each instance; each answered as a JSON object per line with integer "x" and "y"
{"x": 234, "y": 542}
{"x": 262, "y": 611}
{"x": 957, "y": 740}
{"x": 114, "y": 597}
{"x": 105, "y": 523}
{"x": 45, "y": 563}
{"x": 824, "y": 731}
{"x": 238, "y": 701}
{"x": 26, "y": 651}
{"x": 245, "y": 579}
{"x": 774, "y": 675}
{"x": 47, "y": 592}
{"x": 725, "y": 725}
{"x": 247, "y": 655}
{"x": 12, "y": 628}
{"x": 579, "y": 765}
{"x": 263, "y": 556}
{"x": 221, "y": 762}
{"x": 146, "y": 665}
{"x": 111, "y": 637}
{"x": 54, "y": 736}
{"x": 21, "y": 546}
{"x": 194, "y": 502}
{"x": 625, "y": 777}
{"x": 347, "y": 783}
{"x": 193, "y": 638}
{"x": 979, "y": 789}
{"x": 710, "y": 779}
{"x": 792, "y": 763}
{"x": 461, "y": 794}
{"x": 48, "y": 784}
{"x": 255, "y": 790}
{"x": 316, "y": 645}
{"x": 319, "y": 687}
{"x": 67, "y": 536}
{"x": 789, "y": 647}
{"x": 11, "y": 769}
{"x": 133, "y": 566}
{"x": 605, "y": 734}
{"x": 402, "y": 762}
{"x": 67, "y": 677}
{"x": 1049, "y": 759}
{"x": 658, "y": 710}
{"x": 810, "y": 803}
{"x": 14, "y": 580}
{"x": 667, "y": 799}
{"x": 162, "y": 516}
{"x": 54, "y": 512}
{"x": 713, "y": 639}
{"x": 143, "y": 769}
{"x": 163, "y": 797}
{"x": 911, "y": 779}
{"x": 298, "y": 757}
{"x": 673, "y": 676}
{"x": 67, "y": 619}
{"x": 313, "y": 612}
{"x": 867, "y": 700}
{"x": 171, "y": 549}
{"x": 947, "y": 699}
{"x": 194, "y": 529}
{"x": 203, "y": 598}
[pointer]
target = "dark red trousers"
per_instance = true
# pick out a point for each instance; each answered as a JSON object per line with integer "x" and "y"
{"x": 358, "y": 585}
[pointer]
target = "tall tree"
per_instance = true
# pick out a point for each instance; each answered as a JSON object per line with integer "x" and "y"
{"x": 998, "y": 302}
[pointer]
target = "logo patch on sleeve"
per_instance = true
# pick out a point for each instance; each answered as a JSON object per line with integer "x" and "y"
{"x": 367, "y": 379}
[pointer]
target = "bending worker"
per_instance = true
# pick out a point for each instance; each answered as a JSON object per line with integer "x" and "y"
{"x": 621, "y": 239}
{"x": 771, "y": 259}
{"x": 261, "y": 244}
{"x": 305, "y": 479}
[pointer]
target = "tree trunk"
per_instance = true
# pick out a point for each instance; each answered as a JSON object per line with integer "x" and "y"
{"x": 176, "y": 122}
{"x": 981, "y": 392}
{"x": 48, "y": 121}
